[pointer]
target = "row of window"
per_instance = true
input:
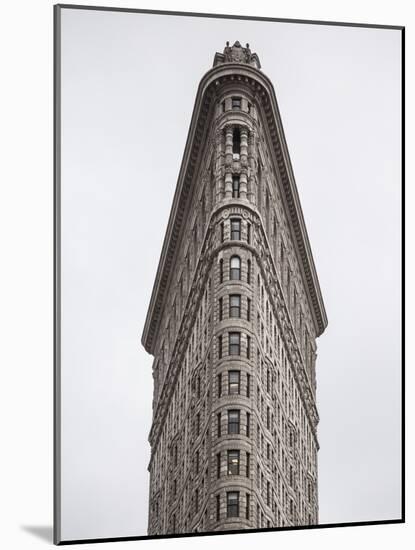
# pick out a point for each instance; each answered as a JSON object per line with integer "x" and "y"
{"x": 234, "y": 344}
{"x": 233, "y": 463}
{"x": 234, "y": 422}
{"x": 234, "y": 383}
{"x": 236, "y": 229}
{"x": 235, "y": 269}
{"x": 235, "y": 307}
{"x": 232, "y": 505}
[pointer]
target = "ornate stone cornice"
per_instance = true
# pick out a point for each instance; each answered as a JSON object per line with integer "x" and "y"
{"x": 247, "y": 75}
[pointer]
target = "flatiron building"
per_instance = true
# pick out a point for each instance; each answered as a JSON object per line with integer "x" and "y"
{"x": 232, "y": 323}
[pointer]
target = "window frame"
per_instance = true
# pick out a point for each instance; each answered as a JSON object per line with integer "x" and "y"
{"x": 235, "y": 233}
{"x": 233, "y": 384}
{"x": 235, "y": 272}
{"x": 233, "y": 469}
{"x": 234, "y": 426}
{"x": 234, "y": 348}
{"x": 235, "y": 308}
{"x": 232, "y": 509}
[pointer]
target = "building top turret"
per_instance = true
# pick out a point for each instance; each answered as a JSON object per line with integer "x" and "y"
{"x": 237, "y": 54}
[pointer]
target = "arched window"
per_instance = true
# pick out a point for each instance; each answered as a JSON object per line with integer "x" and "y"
{"x": 235, "y": 268}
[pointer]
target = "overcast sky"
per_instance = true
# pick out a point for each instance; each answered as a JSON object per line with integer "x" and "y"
{"x": 128, "y": 88}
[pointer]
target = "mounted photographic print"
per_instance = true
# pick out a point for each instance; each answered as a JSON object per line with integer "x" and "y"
{"x": 228, "y": 274}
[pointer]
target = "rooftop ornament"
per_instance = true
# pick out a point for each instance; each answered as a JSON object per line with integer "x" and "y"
{"x": 237, "y": 54}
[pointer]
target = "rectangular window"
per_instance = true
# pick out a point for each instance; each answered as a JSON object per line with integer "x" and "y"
{"x": 220, "y": 341}
{"x": 236, "y": 144}
{"x": 222, "y": 232}
{"x": 248, "y": 424}
{"x": 248, "y": 347}
{"x": 248, "y": 505}
{"x": 219, "y": 379}
{"x": 235, "y": 229}
{"x": 236, "y": 187}
{"x": 232, "y": 504}
{"x": 248, "y": 309}
{"x": 234, "y": 377}
{"x": 236, "y": 103}
{"x": 235, "y": 305}
{"x": 233, "y": 463}
{"x": 217, "y": 507}
{"x": 196, "y": 500}
{"x": 248, "y": 233}
{"x": 248, "y": 385}
{"x": 219, "y": 421}
{"x": 197, "y": 462}
{"x": 233, "y": 421}
{"x": 234, "y": 343}
{"x": 248, "y": 272}
{"x": 223, "y": 106}
{"x": 220, "y": 309}
{"x": 218, "y": 465}
{"x": 248, "y": 464}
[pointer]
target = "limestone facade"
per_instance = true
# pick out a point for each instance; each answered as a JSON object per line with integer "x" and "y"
{"x": 232, "y": 324}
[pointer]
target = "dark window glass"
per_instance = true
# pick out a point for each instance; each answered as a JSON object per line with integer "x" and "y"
{"x": 217, "y": 507}
{"x": 219, "y": 421}
{"x": 236, "y": 145}
{"x": 248, "y": 233}
{"x": 222, "y": 232}
{"x": 233, "y": 463}
{"x": 234, "y": 381}
{"x": 235, "y": 305}
{"x": 248, "y": 272}
{"x": 235, "y": 187}
{"x": 248, "y": 385}
{"x": 248, "y": 424}
{"x": 248, "y": 347}
{"x": 220, "y": 309}
{"x": 218, "y": 465}
{"x": 234, "y": 343}
{"x": 248, "y": 309}
{"x": 248, "y": 505}
{"x": 236, "y": 103}
{"x": 221, "y": 271}
{"x": 236, "y": 230}
{"x": 233, "y": 421}
{"x": 220, "y": 347}
{"x": 248, "y": 464}
{"x": 232, "y": 504}
{"x": 223, "y": 106}
{"x": 235, "y": 268}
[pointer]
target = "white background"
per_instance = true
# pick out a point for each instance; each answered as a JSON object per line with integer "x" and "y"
{"x": 26, "y": 275}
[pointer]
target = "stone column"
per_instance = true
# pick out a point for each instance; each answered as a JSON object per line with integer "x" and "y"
{"x": 243, "y": 184}
{"x": 244, "y": 146}
{"x": 228, "y": 145}
{"x": 251, "y": 170}
{"x": 228, "y": 184}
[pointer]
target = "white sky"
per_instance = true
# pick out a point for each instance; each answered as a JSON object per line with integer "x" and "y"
{"x": 128, "y": 88}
